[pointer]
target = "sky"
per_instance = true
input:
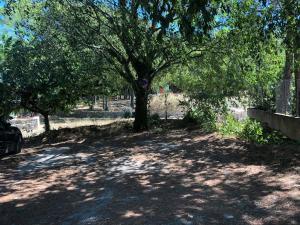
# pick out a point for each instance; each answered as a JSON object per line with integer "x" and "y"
{"x": 4, "y": 29}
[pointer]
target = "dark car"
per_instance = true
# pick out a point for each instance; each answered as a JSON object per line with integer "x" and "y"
{"x": 11, "y": 139}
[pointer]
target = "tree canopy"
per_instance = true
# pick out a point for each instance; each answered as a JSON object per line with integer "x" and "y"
{"x": 63, "y": 50}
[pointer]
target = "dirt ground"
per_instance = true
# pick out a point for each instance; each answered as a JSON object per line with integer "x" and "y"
{"x": 95, "y": 176}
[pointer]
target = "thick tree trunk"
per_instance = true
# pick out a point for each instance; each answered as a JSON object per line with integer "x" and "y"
{"x": 141, "y": 120}
{"x": 46, "y": 122}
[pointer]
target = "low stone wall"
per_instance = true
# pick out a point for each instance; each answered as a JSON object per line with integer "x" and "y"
{"x": 28, "y": 124}
{"x": 238, "y": 113}
{"x": 288, "y": 125}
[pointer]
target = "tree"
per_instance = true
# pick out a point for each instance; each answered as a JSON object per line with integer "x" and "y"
{"x": 46, "y": 72}
{"x": 9, "y": 101}
{"x": 41, "y": 76}
{"x": 259, "y": 51}
{"x": 247, "y": 62}
{"x": 283, "y": 21}
{"x": 92, "y": 80}
{"x": 138, "y": 39}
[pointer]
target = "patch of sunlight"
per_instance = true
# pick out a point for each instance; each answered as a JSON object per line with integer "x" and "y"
{"x": 130, "y": 214}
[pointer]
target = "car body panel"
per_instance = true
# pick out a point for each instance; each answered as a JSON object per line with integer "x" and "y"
{"x": 10, "y": 137}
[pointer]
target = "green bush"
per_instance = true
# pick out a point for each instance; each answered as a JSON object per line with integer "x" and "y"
{"x": 253, "y": 132}
{"x": 190, "y": 117}
{"x": 204, "y": 116}
{"x": 230, "y": 126}
{"x": 250, "y": 130}
{"x": 127, "y": 113}
{"x": 154, "y": 120}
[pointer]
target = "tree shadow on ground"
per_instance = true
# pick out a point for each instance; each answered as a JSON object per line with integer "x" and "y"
{"x": 178, "y": 177}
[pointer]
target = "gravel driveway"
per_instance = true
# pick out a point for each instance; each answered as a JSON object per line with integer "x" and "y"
{"x": 177, "y": 177}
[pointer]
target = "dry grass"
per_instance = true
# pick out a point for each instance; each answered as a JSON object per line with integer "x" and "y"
{"x": 158, "y": 104}
{"x": 73, "y": 123}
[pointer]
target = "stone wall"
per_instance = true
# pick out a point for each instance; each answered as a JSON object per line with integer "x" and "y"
{"x": 27, "y": 124}
{"x": 288, "y": 125}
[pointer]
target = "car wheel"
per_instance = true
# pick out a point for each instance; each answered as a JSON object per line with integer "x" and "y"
{"x": 19, "y": 144}
{"x": 16, "y": 146}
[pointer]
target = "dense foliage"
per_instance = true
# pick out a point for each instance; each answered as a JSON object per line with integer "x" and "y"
{"x": 63, "y": 51}
{"x": 251, "y": 131}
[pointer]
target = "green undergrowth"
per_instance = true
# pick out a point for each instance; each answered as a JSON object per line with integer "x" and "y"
{"x": 251, "y": 131}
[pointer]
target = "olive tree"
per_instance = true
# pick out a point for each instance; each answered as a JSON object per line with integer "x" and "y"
{"x": 41, "y": 76}
{"x": 138, "y": 39}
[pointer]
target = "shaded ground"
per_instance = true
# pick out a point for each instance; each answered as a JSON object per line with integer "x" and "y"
{"x": 176, "y": 177}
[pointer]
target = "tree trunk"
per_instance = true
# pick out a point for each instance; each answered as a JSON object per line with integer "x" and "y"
{"x": 95, "y": 101}
{"x": 131, "y": 98}
{"x": 166, "y": 106}
{"x": 105, "y": 103}
{"x": 297, "y": 82}
{"x": 141, "y": 120}
{"x": 127, "y": 93}
{"x": 285, "y": 86}
{"x": 46, "y": 122}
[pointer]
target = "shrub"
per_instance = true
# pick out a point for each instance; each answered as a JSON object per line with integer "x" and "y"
{"x": 250, "y": 130}
{"x": 127, "y": 113}
{"x": 204, "y": 116}
{"x": 230, "y": 126}
{"x": 154, "y": 120}
{"x": 253, "y": 132}
{"x": 190, "y": 116}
